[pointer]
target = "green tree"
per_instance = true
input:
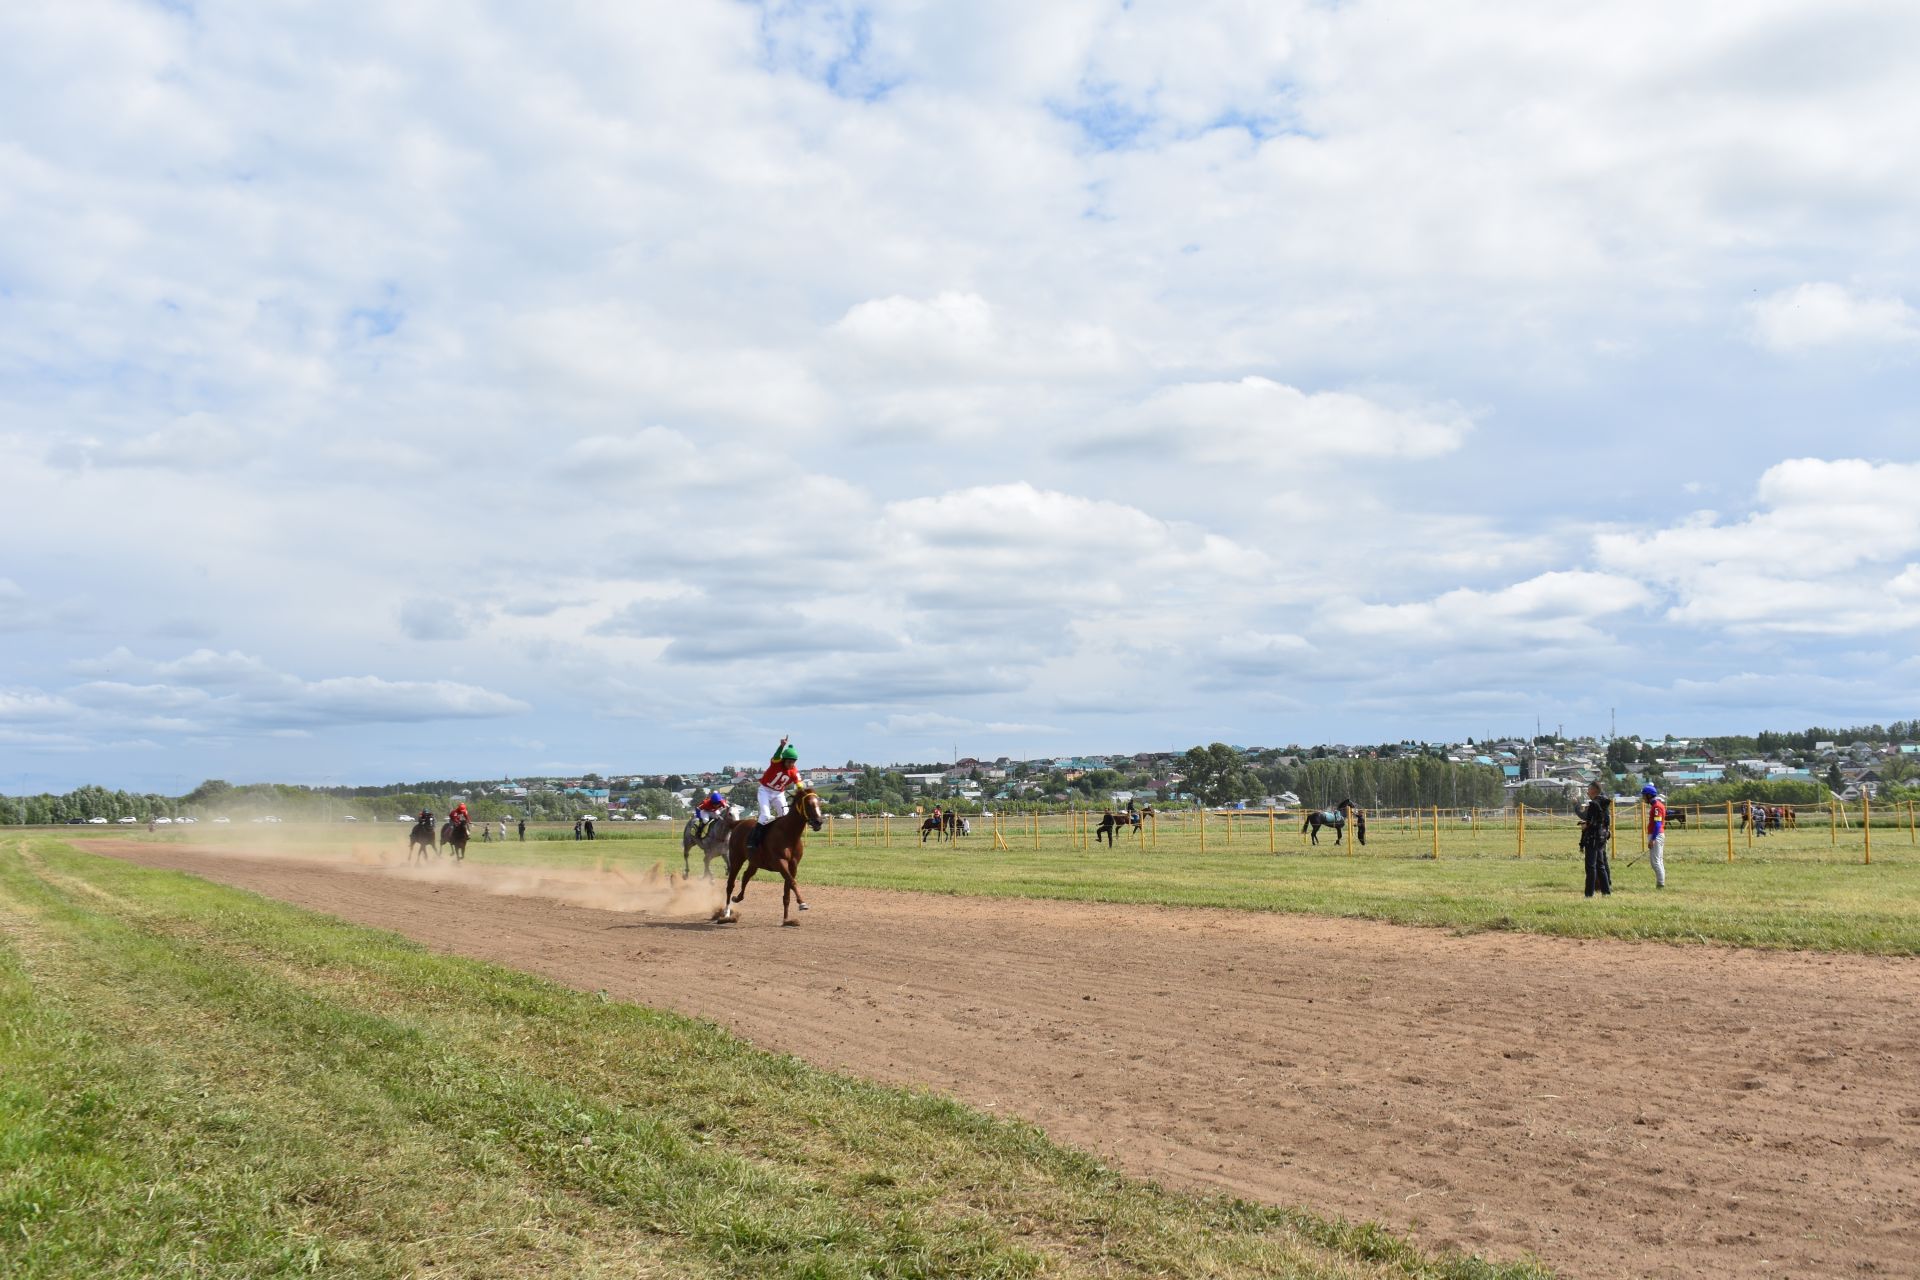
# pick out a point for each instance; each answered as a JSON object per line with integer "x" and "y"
{"x": 1217, "y": 774}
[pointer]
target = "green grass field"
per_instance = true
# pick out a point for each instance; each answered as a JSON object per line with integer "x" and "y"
{"x": 198, "y": 1082}
{"x": 1804, "y": 889}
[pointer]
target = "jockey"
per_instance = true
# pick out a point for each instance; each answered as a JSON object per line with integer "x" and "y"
{"x": 780, "y": 774}
{"x": 426, "y": 816}
{"x": 459, "y": 813}
{"x": 712, "y": 807}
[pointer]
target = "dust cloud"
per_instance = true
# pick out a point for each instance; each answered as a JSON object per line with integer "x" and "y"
{"x": 605, "y": 886}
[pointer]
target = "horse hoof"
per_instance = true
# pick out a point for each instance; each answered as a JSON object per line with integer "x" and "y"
{"x": 803, "y": 906}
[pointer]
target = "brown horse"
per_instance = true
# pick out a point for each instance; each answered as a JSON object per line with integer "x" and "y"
{"x": 454, "y": 836}
{"x": 779, "y": 850}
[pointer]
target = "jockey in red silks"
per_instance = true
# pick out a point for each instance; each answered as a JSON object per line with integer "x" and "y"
{"x": 781, "y": 773}
{"x": 710, "y": 808}
{"x": 459, "y": 813}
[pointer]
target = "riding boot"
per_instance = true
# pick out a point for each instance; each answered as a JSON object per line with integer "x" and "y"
{"x": 757, "y": 835}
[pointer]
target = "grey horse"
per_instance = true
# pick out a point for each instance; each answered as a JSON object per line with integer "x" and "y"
{"x": 714, "y": 846}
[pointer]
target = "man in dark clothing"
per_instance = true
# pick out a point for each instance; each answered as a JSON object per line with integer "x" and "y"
{"x": 523, "y": 829}
{"x": 1596, "y": 828}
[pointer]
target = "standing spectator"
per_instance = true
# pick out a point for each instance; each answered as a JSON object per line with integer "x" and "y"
{"x": 1596, "y": 829}
{"x": 576, "y": 828}
{"x": 503, "y": 831}
{"x": 1656, "y": 834}
{"x": 588, "y": 824}
{"x": 523, "y": 831}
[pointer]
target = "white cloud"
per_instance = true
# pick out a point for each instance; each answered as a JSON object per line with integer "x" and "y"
{"x": 1557, "y": 608}
{"x": 1258, "y": 422}
{"x": 961, "y": 335}
{"x": 1811, "y": 316}
{"x": 1818, "y": 556}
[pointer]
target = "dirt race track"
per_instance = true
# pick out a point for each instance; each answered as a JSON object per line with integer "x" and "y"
{"x": 1619, "y": 1109}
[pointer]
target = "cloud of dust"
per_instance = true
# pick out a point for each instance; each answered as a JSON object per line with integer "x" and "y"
{"x": 605, "y": 886}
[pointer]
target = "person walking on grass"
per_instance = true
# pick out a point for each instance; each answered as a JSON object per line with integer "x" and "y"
{"x": 523, "y": 831}
{"x": 1596, "y": 829}
{"x": 1656, "y": 834}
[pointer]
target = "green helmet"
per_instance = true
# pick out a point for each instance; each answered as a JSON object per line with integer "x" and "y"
{"x": 787, "y": 753}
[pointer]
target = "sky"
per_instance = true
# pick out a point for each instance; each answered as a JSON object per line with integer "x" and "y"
{"x": 395, "y": 392}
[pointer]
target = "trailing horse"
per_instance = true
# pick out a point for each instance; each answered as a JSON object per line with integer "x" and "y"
{"x": 779, "y": 850}
{"x": 713, "y": 844}
{"x": 421, "y": 840}
{"x": 1337, "y": 819}
{"x": 454, "y": 835}
{"x": 1112, "y": 822}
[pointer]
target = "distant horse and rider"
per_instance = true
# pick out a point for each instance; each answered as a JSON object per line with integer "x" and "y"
{"x": 1336, "y": 818}
{"x": 1128, "y": 819}
{"x": 778, "y": 850}
{"x": 453, "y": 835}
{"x": 944, "y": 826}
{"x": 710, "y": 836}
{"x": 421, "y": 839}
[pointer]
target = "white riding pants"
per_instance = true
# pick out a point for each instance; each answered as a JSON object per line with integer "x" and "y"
{"x": 773, "y": 804}
{"x": 1657, "y": 857}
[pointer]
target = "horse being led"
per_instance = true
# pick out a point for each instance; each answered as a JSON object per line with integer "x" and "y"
{"x": 779, "y": 850}
{"x": 713, "y": 844}
{"x": 454, "y": 835}
{"x": 1337, "y": 819}
{"x": 420, "y": 840}
{"x": 1112, "y": 822}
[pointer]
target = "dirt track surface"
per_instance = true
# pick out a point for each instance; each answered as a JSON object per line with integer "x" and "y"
{"x": 1619, "y": 1109}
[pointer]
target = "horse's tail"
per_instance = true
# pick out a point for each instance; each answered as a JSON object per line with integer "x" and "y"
{"x": 1305, "y": 824}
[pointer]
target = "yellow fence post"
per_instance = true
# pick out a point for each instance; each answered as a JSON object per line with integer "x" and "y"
{"x": 1153, "y": 821}
{"x": 1866, "y": 820}
{"x": 886, "y": 831}
{"x": 1270, "y": 832}
{"x": 1203, "y": 830}
{"x": 1520, "y": 829}
{"x": 1729, "y": 831}
{"x": 829, "y": 828}
{"x": 1833, "y": 823}
{"x": 1436, "y": 833}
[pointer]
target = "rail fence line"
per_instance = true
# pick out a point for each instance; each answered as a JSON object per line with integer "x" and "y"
{"x": 1236, "y": 827}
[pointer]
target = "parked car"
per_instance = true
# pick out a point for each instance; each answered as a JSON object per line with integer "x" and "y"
{"x": 96, "y": 822}
{"x": 349, "y": 818}
{"x": 126, "y": 822}
{"x": 223, "y": 819}
{"x": 161, "y": 822}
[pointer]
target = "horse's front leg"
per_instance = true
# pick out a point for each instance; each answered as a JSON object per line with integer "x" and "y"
{"x": 789, "y": 888}
{"x": 745, "y": 876}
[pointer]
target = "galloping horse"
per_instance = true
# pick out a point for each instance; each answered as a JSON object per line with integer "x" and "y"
{"x": 421, "y": 839}
{"x": 712, "y": 845}
{"x": 780, "y": 849}
{"x": 1337, "y": 819}
{"x": 934, "y": 827}
{"x": 454, "y": 835}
